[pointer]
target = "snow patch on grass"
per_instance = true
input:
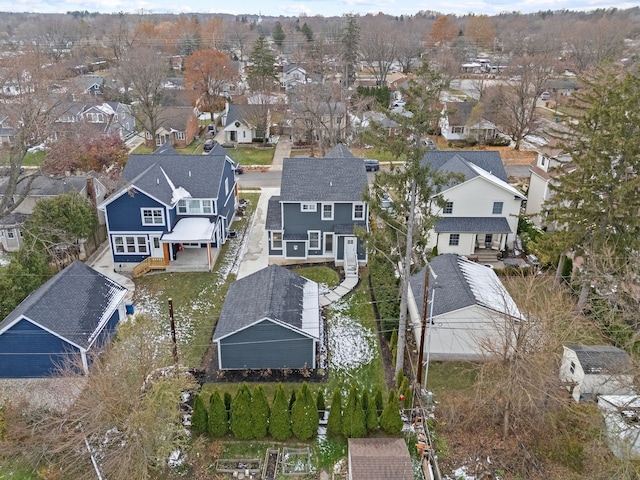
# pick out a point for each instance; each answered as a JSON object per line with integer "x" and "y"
{"x": 350, "y": 344}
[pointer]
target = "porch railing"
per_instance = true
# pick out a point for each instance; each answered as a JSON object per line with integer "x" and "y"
{"x": 148, "y": 264}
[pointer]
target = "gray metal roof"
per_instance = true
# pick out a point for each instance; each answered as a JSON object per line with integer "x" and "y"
{"x": 274, "y": 214}
{"x": 323, "y": 179}
{"x": 472, "y": 225}
{"x": 200, "y": 175}
{"x": 273, "y": 292}
{"x": 597, "y": 359}
{"x": 487, "y": 160}
{"x": 71, "y": 304}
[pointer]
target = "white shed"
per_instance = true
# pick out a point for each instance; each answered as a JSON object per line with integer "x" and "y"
{"x": 590, "y": 370}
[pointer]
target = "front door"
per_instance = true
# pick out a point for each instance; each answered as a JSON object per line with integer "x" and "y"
{"x": 350, "y": 248}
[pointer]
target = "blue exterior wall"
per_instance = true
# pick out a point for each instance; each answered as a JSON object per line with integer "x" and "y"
{"x": 266, "y": 345}
{"x": 26, "y": 350}
{"x": 290, "y": 252}
{"x": 107, "y": 332}
{"x": 227, "y": 203}
{"x": 123, "y": 214}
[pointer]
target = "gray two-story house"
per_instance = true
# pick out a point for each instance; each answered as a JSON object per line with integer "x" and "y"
{"x": 320, "y": 203}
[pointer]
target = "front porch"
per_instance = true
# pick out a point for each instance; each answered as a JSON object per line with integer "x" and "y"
{"x": 193, "y": 260}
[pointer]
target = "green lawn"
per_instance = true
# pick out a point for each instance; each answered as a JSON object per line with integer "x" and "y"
{"x": 34, "y": 159}
{"x": 16, "y": 472}
{"x": 322, "y": 275}
{"x": 252, "y": 155}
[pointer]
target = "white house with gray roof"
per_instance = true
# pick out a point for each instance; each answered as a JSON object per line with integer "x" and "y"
{"x": 470, "y": 308}
{"x": 270, "y": 319}
{"x": 481, "y": 211}
{"x": 320, "y": 204}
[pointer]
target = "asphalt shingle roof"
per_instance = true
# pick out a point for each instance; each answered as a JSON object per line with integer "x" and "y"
{"x": 274, "y": 214}
{"x": 472, "y": 225}
{"x": 200, "y": 175}
{"x": 487, "y": 160}
{"x": 323, "y": 179}
{"x": 340, "y": 151}
{"x": 71, "y": 304}
{"x": 273, "y": 292}
{"x": 596, "y": 359}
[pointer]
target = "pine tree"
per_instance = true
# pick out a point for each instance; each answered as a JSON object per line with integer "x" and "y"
{"x": 300, "y": 425}
{"x": 390, "y": 420}
{"x": 350, "y": 42}
{"x": 199, "y": 416}
{"x": 280, "y": 419}
{"x": 241, "y": 414}
{"x": 259, "y": 413}
{"x": 218, "y": 423}
{"x": 320, "y": 404}
{"x": 278, "y": 34}
{"x": 334, "y": 423}
{"x": 307, "y": 32}
{"x": 372, "y": 415}
{"x": 261, "y": 72}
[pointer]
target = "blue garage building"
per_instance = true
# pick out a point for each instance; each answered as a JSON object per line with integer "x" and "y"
{"x": 73, "y": 313}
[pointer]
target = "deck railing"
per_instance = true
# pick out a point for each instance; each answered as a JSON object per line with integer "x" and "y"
{"x": 148, "y": 264}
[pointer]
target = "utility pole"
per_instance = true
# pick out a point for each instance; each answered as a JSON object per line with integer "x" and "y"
{"x": 425, "y": 300}
{"x": 173, "y": 333}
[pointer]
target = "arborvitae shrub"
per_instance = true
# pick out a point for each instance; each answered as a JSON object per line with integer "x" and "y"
{"x": 334, "y": 423}
{"x": 241, "y": 414}
{"x": 280, "y": 419}
{"x": 301, "y": 413}
{"x": 199, "y": 416}
{"x": 218, "y": 424}
{"x": 390, "y": 420}
{"x": 379, "y": 400}
{"x": 353, "y": 419}
{"x": 372, "y": 415}
{"x": 259, "y": 413}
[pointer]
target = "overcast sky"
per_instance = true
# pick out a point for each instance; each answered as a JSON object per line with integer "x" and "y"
{"x": 325, "y": 8}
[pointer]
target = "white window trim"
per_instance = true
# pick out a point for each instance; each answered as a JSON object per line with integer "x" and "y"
{"x": 152, "y": 224}
{"x": 200, "y": 208}
{"x": 308, "y": 207}
{"x": 181, "y": 136}
{"x": 273, "y": 247}
{"x": 353, "y": 211}
{"x": 309, "y": 233}
{"x": 446, "y": 205}
{"x": 457, "y": 244}
{"x": 136, "y": 244}
{"x": 322, "y": 205}
{"x": 493, "y": 205}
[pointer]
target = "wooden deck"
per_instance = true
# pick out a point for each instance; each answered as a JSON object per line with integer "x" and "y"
{"x": 148, "y": 264}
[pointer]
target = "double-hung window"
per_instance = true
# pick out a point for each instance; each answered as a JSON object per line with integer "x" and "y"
{"x": 276, "y": 240}
{"x": 152, "y": 216}
{"x": 358, "y": 211}
{"x": 314, "y": 240}
{"x": 454, "y": 239}
{"x": 497, "y": 208}
{"x": 448, "y": 208}
{"x": 327, "y": 211}
{"x": 130, "y": 244}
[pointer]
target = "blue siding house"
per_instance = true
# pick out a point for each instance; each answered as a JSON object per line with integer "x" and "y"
{"x": 270, "y": 319}
{"x": 320, "y": 203}
{"x": 72, "y": 314}
{"x": 172, "y": 207}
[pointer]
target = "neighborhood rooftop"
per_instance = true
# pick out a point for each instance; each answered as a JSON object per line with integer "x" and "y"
{"x": 488, "y": 161}
{"x": 601, "y": 358}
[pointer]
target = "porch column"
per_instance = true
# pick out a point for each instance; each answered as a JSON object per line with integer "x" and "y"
{"x": 209, "y": 256}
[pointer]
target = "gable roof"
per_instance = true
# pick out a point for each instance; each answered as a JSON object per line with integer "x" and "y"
{"x": 175, "y": 118}
{"x": 73, "y": 304}
{"x": 340, "y": 151}
{"x": 598, "y": 359}
{"x": 163, "y": 173}
{"x": 487, "y": 160}
{"x": 458, "y": 113}
{"x": 379, "y": 459}
{"x": 307, "y": 179}
{"x": 275, "y": 293}
{"x": 461, "y": 284}
{"x": 244, "y": 113}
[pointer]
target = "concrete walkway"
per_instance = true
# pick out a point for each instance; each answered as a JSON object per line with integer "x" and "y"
{"x": 102, "y": 261}
{"x": 255, "y": 255}
{"x": 335, "y": 294}
{"x": 283, "y": 150}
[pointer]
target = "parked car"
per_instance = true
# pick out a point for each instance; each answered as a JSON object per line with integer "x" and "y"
{"x": 239, "y": 169}
{"x": 427, "y": 142}
{"x": 209, "y": 144}
{"x": 371, "y": 165}
{"x": 211, "y": 129}
{"x": 545, "y": 96}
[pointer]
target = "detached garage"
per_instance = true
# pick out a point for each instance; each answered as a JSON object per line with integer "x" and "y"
{"x": 270, "y": 319}
{"x": 73, "y": 313}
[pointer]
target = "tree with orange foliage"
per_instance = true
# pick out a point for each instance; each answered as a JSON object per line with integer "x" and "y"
{"x": 442, "y": 31}
{"x": 206, "y": 72}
